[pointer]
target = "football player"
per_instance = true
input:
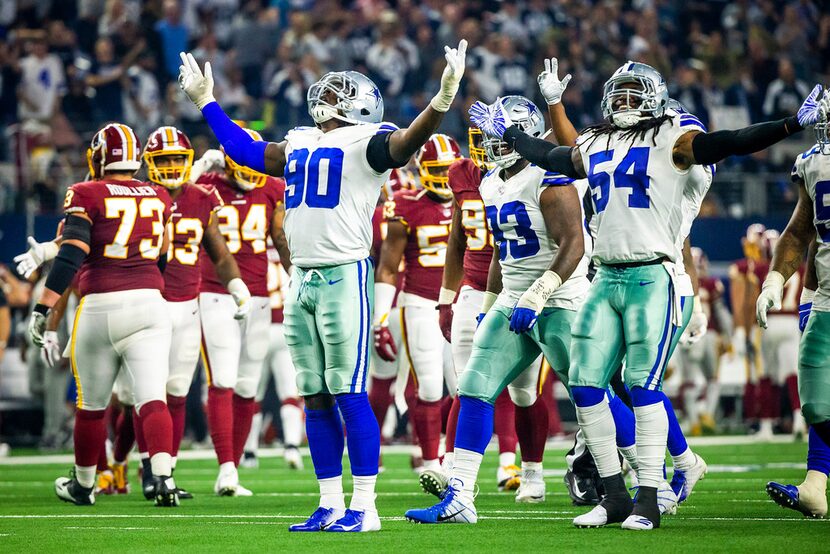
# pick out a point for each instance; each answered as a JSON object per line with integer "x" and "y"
{"x": 809, "y": 224}
{"x": 469, "y": 252}
{"x": 417, "y": 228}
{"x": 537, "y": 280}
{"x": 700, "y": 358}
{"x": 234, "y": 354}
{"x": 278, "y": 364}
{"x": 637, "y": 165}
{"x": 114, "y": 238}
{"x": 334, "y": 173}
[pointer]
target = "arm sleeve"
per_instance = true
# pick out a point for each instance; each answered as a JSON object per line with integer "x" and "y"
{"x": 238, "y": 144}
{"x": 378, "y": 156}
{"x": 710, "y": 148}
{"x": 542, "y": 153}
{"x": 67, "y": 263}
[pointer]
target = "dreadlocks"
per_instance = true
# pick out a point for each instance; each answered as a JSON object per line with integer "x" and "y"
{"x": 632, "y": 133}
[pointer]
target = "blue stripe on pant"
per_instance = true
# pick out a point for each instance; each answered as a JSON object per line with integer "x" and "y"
{"x": 361, "y": 360}
{"x": 653, "y": 381}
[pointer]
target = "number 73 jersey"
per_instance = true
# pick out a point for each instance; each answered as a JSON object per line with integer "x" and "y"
{"x": 526, "y": 251}
{"x": 637, "y": 191}
{"x": 813, "y": 168}
{"x": 245, "y": 222}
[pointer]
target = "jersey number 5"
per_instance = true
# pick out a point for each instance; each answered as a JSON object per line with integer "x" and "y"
{"x": 315, "y": 178}
{"x": 631, "y": 172}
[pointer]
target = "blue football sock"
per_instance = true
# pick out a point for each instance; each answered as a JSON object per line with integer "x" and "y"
{"x": 818, "y": 453}
{"x": 325, "y": 441}
{"x": 362, "y": 433}
{"x": 676, "y": 440}
{"x": 624, "y": 420}
{"x": 475, "y": 424}
{"x": 585, "y": 397}
{"x": 645, "y": 397}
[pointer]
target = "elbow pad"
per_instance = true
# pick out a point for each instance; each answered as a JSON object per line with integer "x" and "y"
{"x": 67, "y": 263}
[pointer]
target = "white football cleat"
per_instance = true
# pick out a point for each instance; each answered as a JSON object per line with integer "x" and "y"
{"x": 227, "y": 482}
{"x": 433, "y": 482}
{"x": 532, "y": 488}
{"x": 666, "y": 499}
{"x": 683, "y": 482}
{"x": 293, "y": 458}
{"x": 242, "y": 491}
{"x": 69, "y": 490}
{"x": 597, "y": 517}
{"x": 637, "y": 523}
{"x": 612, "y": 509}
{"x": 249, "y": 461}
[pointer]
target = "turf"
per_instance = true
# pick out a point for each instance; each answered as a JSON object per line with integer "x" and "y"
{"x": 729, "y": 511}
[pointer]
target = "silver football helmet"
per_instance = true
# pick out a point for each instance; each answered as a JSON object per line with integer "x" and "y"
{"x": 358, "y": 99}
{"x": 822, "y": 130}
{"x": 634, "y": 92}
{"x": 526, "y": 115}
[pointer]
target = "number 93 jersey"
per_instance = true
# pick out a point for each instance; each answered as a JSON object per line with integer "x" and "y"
{"x": 813, "y": 168}
{"x": 526, "y": 251}
{"x": 330, "y": 194}
{"x": 128, "y": 221}
{"x": 637, "y": 190}
{"x": 245, "y": 222}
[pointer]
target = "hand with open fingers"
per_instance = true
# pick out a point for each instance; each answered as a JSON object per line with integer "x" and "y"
{"x": 809, "y": 112}
{"x": 35, "y": 256}
{"x": 196, "y": 85}
{"x": 550, "y": 85}
{"x": 451, "y": 77}
{"x": 385, "y": 344}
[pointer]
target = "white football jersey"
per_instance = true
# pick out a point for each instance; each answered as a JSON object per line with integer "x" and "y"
{"x": 700, "y": 179}
{"x": 526, "y": 251}
{"x": 331, "y": 192}
{"x": 637, "y": 191}
{"x": 813, "y": 168}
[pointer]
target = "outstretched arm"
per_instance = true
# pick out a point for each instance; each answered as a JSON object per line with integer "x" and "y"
{"x": 560, "y": 159}
{"x": 259, "y": 155}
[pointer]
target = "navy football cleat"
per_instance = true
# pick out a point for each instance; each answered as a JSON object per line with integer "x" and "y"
{"x": 451, "y": 509}
{"x": 789, "y": 496}
{"x": 318, "y": 521}
{"x": 354, "y": 521}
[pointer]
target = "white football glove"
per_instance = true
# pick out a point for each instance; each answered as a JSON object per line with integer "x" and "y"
{"x": 242, "y": 296}
{"x": 549, "y": 84}
{"x": 770, "y": 297}
{"x": 37, "y": 326}
{"x": 50, "y": 352}
{"x": 197, "y": 86}
{"x": 451, "y": 78}
{"x": 37, "y": 254}
{"x": 211, "y": 160}
{"x": 698, "y": 325}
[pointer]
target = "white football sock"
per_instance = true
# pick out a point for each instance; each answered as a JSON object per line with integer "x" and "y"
{"x": 85, "y": 475}
{"x": 292, "y": 424}
{"x": 507, "y": 459}
{"x": 434, "y": 465}
{"x": 652, "y": 429}
{"x": 447, "y": 465}
{"x": 465, "y": 472}
{"x": 173, "y": 461}
{"x": 331, "y": 493}
{"x": 363, "y": 497}
{"x": 684, "y": 461}
{"x": 252, "y": 443}
{"x": 630, "y": 455}
{"x": 600, "y": 433}
{"x": 162, "y": 464}
{"x": 531, "y": 471}
{"x": 815, "y": 479}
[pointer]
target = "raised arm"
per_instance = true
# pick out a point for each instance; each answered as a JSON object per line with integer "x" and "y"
{"x": 562, "y": 209}
{"x": 552, "y": 89}
{"x": 259, "y": 155}
{"x": 709, "y": 148}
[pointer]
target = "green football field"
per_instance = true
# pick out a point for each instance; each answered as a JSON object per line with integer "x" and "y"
{"x": 728, "y": 512}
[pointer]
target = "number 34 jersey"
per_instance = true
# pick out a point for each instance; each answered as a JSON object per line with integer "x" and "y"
{"x": 244, "y": 221}
{"x": 813, "y": 168}
{"x": 128, "y": 221}
{"x": 427, "y": 225}
{"x": 526, "y": 251}
{"x": 637, "y": 191}
{"x": 330, "y": 194}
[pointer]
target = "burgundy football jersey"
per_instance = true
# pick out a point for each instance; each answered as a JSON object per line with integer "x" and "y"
{"x": 245, "y": 222}
{"x": 427, "y": 225}
{"x": 465, "y": 177}
{"x": 277, "y": 286}
{"x": 710, "y": 289}
{"x": 192, "y": 210}
{"x": 128, "y": 222}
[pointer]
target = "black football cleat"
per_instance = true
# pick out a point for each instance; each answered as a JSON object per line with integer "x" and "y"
{"x": 69, "y": 490}
{"x": 166, "y": 494}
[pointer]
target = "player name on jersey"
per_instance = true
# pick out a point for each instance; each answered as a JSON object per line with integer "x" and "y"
{"x": 121, "y": 190}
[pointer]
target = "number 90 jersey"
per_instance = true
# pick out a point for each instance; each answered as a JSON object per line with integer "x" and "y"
{"x": 526, "y": 251}
{"x": 245, "y": 222}
{"x": 128, "y": 221}
{"x": 427, "y": 225}
{"x": 813, "y": 168}
{"x": 637, "y": 191}
{"x": 330, "y": 194}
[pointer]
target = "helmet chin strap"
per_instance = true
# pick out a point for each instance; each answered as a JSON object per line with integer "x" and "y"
{"x": 626, "y": 119}
{"x": 325, "y": 112}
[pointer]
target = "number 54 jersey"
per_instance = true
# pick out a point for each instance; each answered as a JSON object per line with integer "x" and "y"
{"x": 128, "y": 222}
{"x": 526, "y": 251}
{"x": 244, "y": 221}
{"x": 330, "y": 194}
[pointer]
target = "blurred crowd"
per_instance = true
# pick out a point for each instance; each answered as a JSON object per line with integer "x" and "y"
{"x": 69, "y": 66}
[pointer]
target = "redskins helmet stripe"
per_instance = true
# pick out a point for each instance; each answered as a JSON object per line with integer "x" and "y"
{"x": 114, "y": 148}
{"x": 168, "y": 142}
{"x": 245, "y": 177}
{"x": 475, "y": 140}
{"x": 434, "y": 159}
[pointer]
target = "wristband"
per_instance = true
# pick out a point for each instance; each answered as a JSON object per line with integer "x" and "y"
{"x": 384, "y": 297}
{"x": 446, "y": 296}
{"x": 42, "y": 309}
{"x": 488, "y": 301}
